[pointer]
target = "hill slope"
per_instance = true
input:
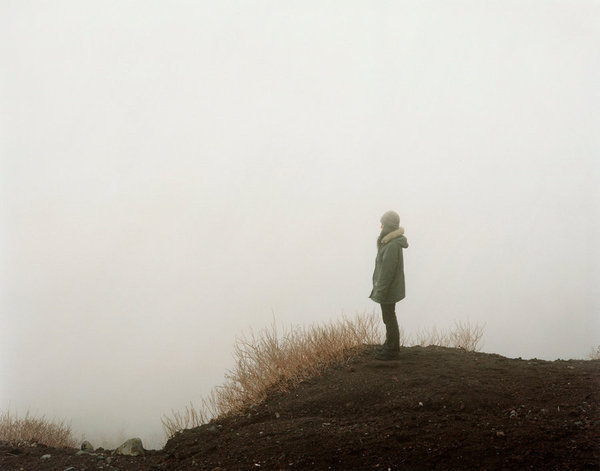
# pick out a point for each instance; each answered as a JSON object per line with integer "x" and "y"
{"x": 435, "y": 408}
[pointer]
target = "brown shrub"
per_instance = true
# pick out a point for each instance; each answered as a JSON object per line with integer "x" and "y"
{"x": 463, "y": 335}
{"x": 273, "y": 360}
{"x": 28, "y": 430}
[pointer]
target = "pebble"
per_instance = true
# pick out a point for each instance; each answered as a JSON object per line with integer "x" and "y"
{"x": 70, "y": 468}
{"x": 45, "y": 457}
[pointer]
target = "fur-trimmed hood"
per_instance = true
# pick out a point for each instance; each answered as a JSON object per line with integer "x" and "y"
{"x": 394, "y": 234}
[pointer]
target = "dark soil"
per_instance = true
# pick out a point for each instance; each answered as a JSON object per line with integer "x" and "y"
{"x": 434, "y": 408}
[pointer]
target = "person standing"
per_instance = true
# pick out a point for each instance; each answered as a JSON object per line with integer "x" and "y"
{"x": 388, "y": 281}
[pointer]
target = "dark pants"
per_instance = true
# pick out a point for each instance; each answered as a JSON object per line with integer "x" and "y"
{"x": 392, "y": 333}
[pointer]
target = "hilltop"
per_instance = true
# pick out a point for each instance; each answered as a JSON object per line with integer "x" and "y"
{"x": 435, "y": 408}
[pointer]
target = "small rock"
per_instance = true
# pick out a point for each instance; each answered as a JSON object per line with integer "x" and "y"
{"x": 277, "y": 415}
{"x": 45, "y": 457}
{"x": 87, "y": 446}
{"x": 108, "y": 460}
{"x": 82, "y": 452}
{"x": 420, "y": 404}
{"x": 513, "y": 414}
{"x": 132, "y": 447}
{"x": 499, "y": 433}
{"x": 70, "y": 468}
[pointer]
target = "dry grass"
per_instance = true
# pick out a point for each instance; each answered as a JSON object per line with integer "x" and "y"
{"x": 463, "y": 335}
{"x": 28, "y": 430}
{"x": 276, "y": 361}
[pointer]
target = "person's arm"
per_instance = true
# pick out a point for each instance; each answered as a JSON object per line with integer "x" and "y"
{"x": 387, "y": 274}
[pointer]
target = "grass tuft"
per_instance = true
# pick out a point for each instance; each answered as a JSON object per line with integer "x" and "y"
{"x": 463, "y": 335}
{"x": 276, "y": 360}
{"x": 28, "y": 431}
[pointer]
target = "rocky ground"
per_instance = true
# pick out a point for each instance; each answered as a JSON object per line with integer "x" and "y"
{"x": 434, "y": 408}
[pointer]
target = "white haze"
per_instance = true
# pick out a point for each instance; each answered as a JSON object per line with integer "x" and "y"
{"x": 175, "y": 173}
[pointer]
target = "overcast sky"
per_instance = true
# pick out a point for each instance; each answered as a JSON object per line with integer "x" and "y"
{"x": 174, "y": 173}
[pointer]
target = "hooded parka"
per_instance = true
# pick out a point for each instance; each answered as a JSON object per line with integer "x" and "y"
{"x": 388, "y": 277}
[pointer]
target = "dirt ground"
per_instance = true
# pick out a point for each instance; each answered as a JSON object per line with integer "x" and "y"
{"x": 433, "y": 409}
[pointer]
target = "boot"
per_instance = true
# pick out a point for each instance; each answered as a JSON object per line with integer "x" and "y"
{"x": 382, "y": 347}
{"x": 387, "y": 354}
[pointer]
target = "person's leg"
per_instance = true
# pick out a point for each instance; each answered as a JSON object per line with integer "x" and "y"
{"x": 384, "y": 345}
{"x": 392, "y": 332}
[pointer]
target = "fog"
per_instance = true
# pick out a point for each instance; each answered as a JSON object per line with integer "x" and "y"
{"x": 174, "y": 174}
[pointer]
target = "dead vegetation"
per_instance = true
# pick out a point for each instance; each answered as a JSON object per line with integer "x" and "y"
{"x": 463, "y": 335}
{"x": 276, "y": 359}
{"x": 273, "y": 359}
{"x": 29, "y": 431}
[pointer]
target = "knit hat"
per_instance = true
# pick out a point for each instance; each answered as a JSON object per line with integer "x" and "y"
{"x": 391, "y": 219}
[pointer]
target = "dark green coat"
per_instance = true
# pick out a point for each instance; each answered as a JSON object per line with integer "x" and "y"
{"x": 388, "y": 277}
